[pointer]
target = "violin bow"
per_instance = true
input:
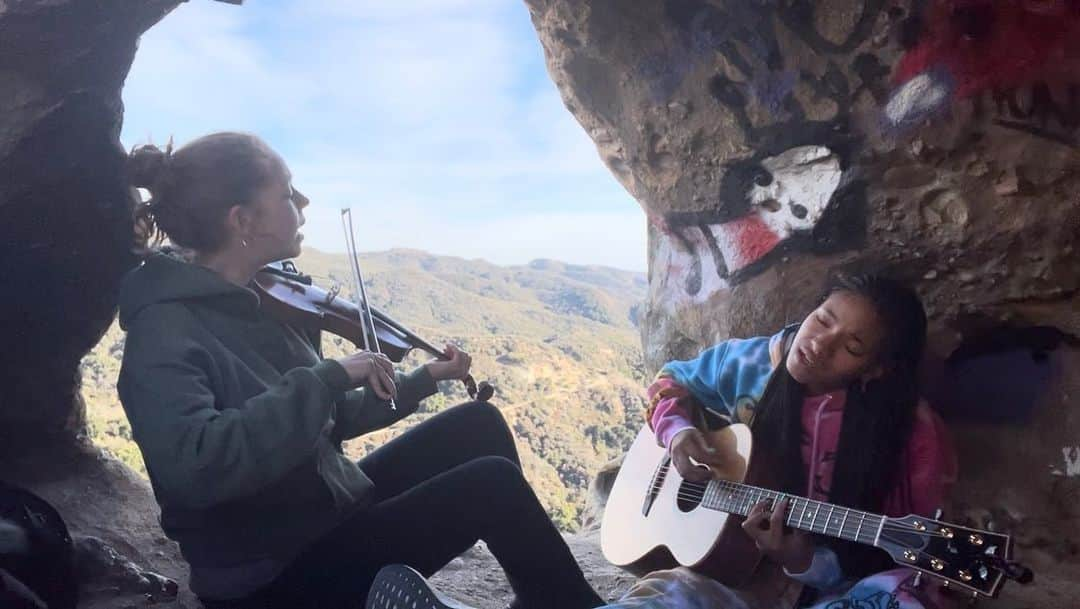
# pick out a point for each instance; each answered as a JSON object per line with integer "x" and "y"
{"x": 366, "y": 320}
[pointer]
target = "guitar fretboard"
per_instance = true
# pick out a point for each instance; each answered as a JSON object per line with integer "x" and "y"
{"x": 805, "y": 514}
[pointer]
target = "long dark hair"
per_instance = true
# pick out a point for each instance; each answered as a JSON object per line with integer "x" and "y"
{"x": 878, "y": 416}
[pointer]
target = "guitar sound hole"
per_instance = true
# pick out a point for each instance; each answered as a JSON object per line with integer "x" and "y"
{"x": 690, "y": 495}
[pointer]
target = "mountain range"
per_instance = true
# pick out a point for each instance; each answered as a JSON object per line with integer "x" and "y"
{"x": 558, "y": 341}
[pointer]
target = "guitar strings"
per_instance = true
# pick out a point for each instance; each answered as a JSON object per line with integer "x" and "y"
{"x": 736, "y": 496}
{"x": 860, "y": 518}
{"x": 737, "y": 493}
{"x": 742, "y": 497}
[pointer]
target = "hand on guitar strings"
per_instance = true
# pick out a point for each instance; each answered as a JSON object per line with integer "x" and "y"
{"x": 791, "y": 548}
{"x": 690, "y": 444}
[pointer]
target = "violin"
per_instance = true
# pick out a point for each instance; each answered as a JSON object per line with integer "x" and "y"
{"x": 291, "y": 297}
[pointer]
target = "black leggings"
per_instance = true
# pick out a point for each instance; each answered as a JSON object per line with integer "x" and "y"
{"x": 439, "y": 488}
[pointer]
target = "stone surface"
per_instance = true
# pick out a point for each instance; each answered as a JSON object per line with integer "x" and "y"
{"x": 122, "y": 556}
{"x": 772, "y": 142}
{"x": 105, "y": 571}
{"x": 67, "y": 212}
{"x": 64, "y": 242}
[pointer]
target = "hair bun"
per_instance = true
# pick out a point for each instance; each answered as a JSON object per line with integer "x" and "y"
{"x": 147, "y": 166}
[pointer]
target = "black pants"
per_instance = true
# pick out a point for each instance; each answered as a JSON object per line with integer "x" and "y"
{"x": 439, "y": 487}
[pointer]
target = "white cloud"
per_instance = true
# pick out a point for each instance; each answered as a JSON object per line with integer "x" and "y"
{"x": 441, "y": 108}
{"x": 199, "y": 71}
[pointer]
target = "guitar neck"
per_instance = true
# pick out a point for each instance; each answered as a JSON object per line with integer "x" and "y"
{"x": 804, "y": 514}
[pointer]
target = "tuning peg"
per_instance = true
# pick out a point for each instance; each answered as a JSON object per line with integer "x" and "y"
{"x": 937, "y": 514}
{"x": 915, "y": 583}
{"x": 974, "y": 598}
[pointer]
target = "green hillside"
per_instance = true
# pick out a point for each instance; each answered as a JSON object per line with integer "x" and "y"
{"x": 557, "y": 340}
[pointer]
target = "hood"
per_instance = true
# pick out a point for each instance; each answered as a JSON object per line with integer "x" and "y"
{"x": 164, "y": 278}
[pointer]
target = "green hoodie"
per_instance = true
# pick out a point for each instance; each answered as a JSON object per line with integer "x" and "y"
{"x": 240, "y": 421}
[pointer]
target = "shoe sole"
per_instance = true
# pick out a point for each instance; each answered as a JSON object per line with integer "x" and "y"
{"x": 401, "y": 587}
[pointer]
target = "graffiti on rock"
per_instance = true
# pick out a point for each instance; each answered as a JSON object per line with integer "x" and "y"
{"x": 687, "y": 268}
{"x": 1017, "y": 62}
{"x": 789, "y": 174}
{"x": 1071, "y": 455}
{"x": 784, "y": 195}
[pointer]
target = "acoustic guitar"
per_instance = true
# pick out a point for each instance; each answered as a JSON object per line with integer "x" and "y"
{"x": 655, "y": 519}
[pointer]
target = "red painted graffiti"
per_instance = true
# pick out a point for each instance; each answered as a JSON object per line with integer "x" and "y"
{"x": 745, "y": 241}
{"x": 968, "y": 47}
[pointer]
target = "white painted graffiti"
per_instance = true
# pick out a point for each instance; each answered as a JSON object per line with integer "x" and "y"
{"x": 917, "y": 99}
{"x": 685, "y": 270}
{"x": 796, "y": 188}
{"x": 1072, "y": 460}
{"x": 788, "y": 195}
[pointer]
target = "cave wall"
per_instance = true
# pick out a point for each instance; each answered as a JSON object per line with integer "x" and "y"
{"x": 772, "y": 141}
{"x": 66, "y": 229}
{"x": 65, "y": 240}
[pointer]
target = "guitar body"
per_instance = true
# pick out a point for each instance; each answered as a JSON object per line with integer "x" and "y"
{"x": 653, "y": 521}
{"x": 656, "y": 520}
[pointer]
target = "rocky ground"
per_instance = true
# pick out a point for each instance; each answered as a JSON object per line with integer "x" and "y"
{"x": 113, "y": 518}
{"x": 127, "y": 563}
{"x": 476, "y": 578}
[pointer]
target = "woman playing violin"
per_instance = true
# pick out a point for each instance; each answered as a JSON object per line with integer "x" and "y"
{"x": 240, "y": 420}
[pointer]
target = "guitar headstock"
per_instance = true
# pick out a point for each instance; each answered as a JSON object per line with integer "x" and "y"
{"x": 965, "y": 558}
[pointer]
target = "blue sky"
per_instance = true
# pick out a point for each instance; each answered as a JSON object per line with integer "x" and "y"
{"x": 434, "y": 119}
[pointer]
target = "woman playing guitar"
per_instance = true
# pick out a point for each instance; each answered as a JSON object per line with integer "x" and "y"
{"x": 240, "y": 419}
{"x": 834, "y": 409}
{"x": 833, "y": 404}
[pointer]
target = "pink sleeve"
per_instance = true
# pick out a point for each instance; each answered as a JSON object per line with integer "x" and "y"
{"x": 669, "y": 418}
{"x": 666, "y": 415}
